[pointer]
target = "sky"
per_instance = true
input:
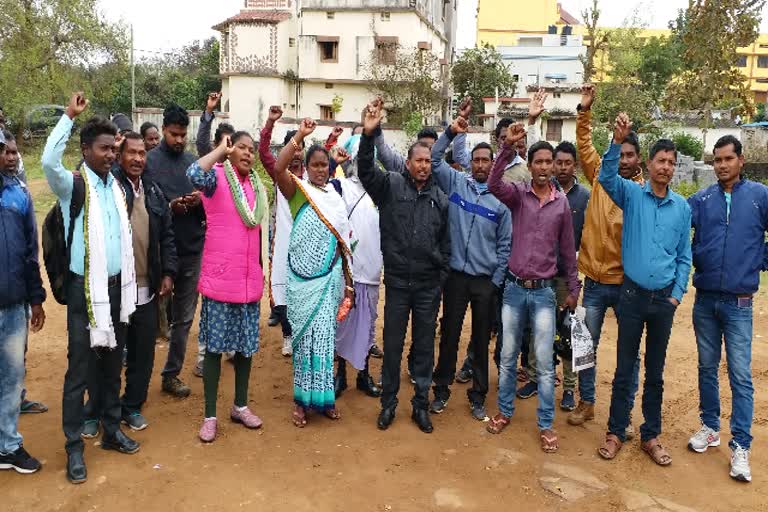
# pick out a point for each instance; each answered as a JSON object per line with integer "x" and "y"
{"x": 168, "y": 24}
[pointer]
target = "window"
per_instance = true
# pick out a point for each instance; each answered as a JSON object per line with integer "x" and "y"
{"x": 742, "y": 61}
{"x": 764, "y": 46}
{"x": 557, "y": 94}
{"x": 554, "y": 129}
{"x": 330, "y": 15}
{"x": 385, "y": 16}
{"x": 762, "y": 62}
{"x": 386, "y": 50}
{"x": 328, "y": 86}
{"x": 761, "y": 80}
{"x": 329, "y": 48}
{"x": 291, "y": 42}
{"x": 326, "y": 113}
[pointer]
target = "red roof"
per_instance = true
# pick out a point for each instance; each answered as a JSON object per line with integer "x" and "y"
{"x": 251, "y": 15}
{"x": 567, "y": 17}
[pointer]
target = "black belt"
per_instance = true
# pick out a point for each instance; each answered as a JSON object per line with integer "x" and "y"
{"x": 530, "y": 284}
{"x": 111, "y": 281}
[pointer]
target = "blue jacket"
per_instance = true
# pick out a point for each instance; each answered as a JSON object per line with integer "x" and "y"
{"x": 729, "y": 252}
{"x": 480, "y": 225}
{"x": 20, "y": 281}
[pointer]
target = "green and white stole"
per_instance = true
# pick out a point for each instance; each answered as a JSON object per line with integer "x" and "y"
{"x": 251, "y": 217}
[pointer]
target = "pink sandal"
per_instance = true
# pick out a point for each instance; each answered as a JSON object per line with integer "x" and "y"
{"x": 208, "y": 430}
{"x": 245, "y": 416}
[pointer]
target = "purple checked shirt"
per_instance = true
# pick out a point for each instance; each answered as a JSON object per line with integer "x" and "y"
{"x": 539, "y": 231}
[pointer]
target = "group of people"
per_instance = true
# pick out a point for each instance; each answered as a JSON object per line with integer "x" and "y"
{"x": 149, "y": 228}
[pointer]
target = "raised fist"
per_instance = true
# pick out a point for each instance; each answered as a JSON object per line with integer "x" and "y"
{"x": 77, "y": 104}
{"x": 275, "y": 113}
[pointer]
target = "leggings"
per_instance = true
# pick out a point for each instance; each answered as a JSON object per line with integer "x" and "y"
{"x": 211, "y": 374}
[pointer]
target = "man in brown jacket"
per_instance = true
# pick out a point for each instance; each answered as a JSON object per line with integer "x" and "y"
{"x": 600, "y": 252}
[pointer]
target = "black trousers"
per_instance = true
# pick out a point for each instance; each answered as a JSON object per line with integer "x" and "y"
{"x": 141, "y": 356}
{"x": 462, "y": 290}
{"x": 282, "y": 313}
{"x": 98, "y": 370}
{"x": 400, "y": 304}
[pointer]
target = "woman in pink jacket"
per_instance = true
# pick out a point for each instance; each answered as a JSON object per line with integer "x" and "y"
{"x": 231, "y": 275}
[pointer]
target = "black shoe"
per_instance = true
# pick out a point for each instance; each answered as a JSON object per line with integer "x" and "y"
{"x": 366, "y": 384}
{"x": 273, "y": 319}
{"x": 76, "y": 471}
{"x": 339, "y": 384}
{"x": 120, "y": 442}
{"x": 421, "y": 418}
{"x": 174, "y": 386}
{"x": 386, "y": 417}
{"x": 20, "y": 460}
{"x": 376, "y": 352}
{"x": 464, "y": 375}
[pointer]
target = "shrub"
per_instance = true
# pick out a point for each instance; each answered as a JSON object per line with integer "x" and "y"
{"x": 688, "y": 145}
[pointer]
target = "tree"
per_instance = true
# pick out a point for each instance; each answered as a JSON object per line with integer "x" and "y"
{"x": 478, "y": 73}
{"x": 46, "y": 45}
{"x": 711, "y": 33}
{"x": 596, "y": 38}
{"x": 410, "y": 80}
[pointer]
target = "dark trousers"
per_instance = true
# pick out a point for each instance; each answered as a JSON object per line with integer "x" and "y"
{"x": 638, "y": 309}
{"x": 462, "y": 290}
{"x": 141, "y": 356}
{"x": 98, "y": 370}
{"x": 183, "y": 306}
{"x": 495, "y": 321}
{"x": 400, "y": 304}
{"x": 282, "y": 313}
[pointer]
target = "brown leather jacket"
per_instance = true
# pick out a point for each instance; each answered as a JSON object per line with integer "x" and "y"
{"x": 600, "y": 252}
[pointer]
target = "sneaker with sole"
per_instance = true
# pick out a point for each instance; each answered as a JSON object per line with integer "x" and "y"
{"x": 20, "y": 461}
{"x": 703, "y": 439}
{"x": 197, "y": 371}
{"x": 174, "y": 386}
{"x": 478, "y": 411}
{"x": 529, "y": 389}
{"x": 463, "y": 376}
{"x": 376, "y": 352}
{"x": 740, "y": 464}
{"x": 568, "y": 403}
{"x": 438, "y": 405}
{"x": 135, "y": 421}
{"x": 287, "y": 349}
{"x": 90, "y": 429}
{"x": 244, "y": 416}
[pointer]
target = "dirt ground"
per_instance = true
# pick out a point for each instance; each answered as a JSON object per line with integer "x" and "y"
{"x": 350, "y": 465}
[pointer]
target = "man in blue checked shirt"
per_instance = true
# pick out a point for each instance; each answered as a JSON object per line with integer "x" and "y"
{"x": 656, "y": 254}
{"x": 729, "y": 219}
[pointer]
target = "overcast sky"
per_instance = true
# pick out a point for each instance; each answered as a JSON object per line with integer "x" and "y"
{"x": 166, "y": 24}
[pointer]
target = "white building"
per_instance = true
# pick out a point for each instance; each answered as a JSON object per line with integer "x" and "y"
{"x": 310, "y": 56}
{"x": 544, "y": 60}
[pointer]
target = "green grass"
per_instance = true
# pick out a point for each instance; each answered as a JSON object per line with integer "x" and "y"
{"x": 31, "y": 155}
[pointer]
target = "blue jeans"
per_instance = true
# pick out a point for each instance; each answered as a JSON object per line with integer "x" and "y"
{"x": 597, "y": 299}
{"x": 641, "y": 309}
{"x": 536, "y": 308}
{"x": 717, "y": 316}
{"x": 13, "y": 339}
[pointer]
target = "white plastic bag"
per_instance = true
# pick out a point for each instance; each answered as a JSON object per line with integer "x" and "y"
{"x": 583, "y": 349}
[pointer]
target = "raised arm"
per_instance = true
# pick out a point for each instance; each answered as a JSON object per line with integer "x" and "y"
{"x": 374, "y": 181}
{"x": 199, "y": 173}
{"x": 683, "y": 259}
{"x": 59, "y": 178}
{"x": 203, "y": 139}
{"x": 283, "y": 176}
{"x": 460, "y": 153}
{"x": 589, "y": 159}
{"x": 444, "y": 173}
{"x": 508, "y": 193}
{"x": 265, "y": 139}
{"x": 535, "y": 109}
{"x": 616, "y": 186}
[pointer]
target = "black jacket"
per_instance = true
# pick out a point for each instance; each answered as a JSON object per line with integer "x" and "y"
{"x": 161, "y": 260}
{"x": 415, "y": 240}
{"x": 169, "y": 170}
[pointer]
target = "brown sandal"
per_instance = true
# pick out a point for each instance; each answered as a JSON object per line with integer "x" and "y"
{"x": 656, "y": 452}
{"x": 333, "y": 414}
{"x": 611, "y": 447}
{"x": 497, "y": 424}
{"x": 299, "y": 417}
{"x": 549, "y": 441}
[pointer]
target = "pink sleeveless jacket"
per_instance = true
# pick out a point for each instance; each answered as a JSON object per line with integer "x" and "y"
{"x": 231, "y": 269}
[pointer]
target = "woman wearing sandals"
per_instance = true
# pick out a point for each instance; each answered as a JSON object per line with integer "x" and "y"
{"x": 318, "y": 254}
{"x": 231, "y": 275}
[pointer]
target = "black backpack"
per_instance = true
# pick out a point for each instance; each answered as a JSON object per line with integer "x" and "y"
{"x": 56, "y": 250}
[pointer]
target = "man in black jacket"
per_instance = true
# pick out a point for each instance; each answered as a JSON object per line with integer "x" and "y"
{"x": 167, "y": 167}
{"x": 416, "y": 247}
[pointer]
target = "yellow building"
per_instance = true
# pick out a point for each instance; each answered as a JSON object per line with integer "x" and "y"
{"x": 493, "y": 27}
{"x": 530, "y": 17}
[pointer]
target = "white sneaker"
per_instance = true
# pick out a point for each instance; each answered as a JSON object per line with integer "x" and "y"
{"x": 703, "y": 439}
{"x": 287, "y": 346}
{"x": 740, "y": 464}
